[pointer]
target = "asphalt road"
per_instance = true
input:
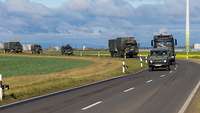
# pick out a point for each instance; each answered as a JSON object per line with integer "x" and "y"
{"x": 145, "y": 92}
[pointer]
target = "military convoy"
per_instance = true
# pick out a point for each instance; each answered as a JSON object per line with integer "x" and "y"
{"x": 66, "y": 50}
{"x": 123, "y": 46}
{"x": 161, "y": 56}
{"x": 13, "y": 47}
{"x": 36, "y": 49}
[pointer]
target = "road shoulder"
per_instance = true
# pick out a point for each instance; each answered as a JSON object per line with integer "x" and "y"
{"x": 194, "y": 106}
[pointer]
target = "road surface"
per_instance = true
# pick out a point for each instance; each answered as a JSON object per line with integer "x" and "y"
{"x": 145, "y": 92}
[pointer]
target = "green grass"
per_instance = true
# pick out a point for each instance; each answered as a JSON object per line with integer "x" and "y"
{"x": 101, "y": 69}
{"x": 18, "y": 65}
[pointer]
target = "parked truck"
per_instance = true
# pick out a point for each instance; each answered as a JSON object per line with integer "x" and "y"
{"x": 36, "y": 49}
{"x": 123, "y": 46}
{"x": 14, "y": 47}
{"x": 165, "y": 41}
{"x": 66, "y": 50}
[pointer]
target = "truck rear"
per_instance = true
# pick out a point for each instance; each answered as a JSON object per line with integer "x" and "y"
{"x": 123, "y": 46}
{"x": 15, "y": 47}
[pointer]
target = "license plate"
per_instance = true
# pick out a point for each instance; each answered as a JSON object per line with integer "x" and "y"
{"x": 158, "y": 65}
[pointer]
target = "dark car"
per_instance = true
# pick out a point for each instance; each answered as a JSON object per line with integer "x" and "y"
{"x": 159, "y": 58}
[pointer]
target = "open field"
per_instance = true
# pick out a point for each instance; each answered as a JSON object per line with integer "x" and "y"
{"x": 19, "y": 65}
{"x": 91, "y": 69}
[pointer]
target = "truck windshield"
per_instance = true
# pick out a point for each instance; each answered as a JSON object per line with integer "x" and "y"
{"x": 164, "y": 44}
{"x": 159, "y": 53}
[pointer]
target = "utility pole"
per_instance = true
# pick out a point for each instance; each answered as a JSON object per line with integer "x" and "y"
{"x": 187, "y": 31}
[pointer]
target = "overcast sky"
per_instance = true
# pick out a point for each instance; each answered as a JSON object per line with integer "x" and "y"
{"x": 95, "y": 20}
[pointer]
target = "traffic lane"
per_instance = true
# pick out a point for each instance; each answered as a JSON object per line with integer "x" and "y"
{"x": 83, "y": 96}
{"x": 131, "y": 85}
{"x": 159, "y": 97}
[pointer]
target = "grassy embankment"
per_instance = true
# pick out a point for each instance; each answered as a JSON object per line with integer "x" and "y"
{"x": 30, "y": 76}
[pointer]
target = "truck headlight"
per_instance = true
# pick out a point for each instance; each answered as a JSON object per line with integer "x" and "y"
{"x": 165, "y": 61}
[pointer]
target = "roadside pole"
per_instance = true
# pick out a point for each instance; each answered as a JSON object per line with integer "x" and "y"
{"x": 99, "y": 54}
{"x": 1, "y": 88}
{"x": 123, "y": 67}
{"x": 146, "y": 59}
{"x": 187, "y": 31}
{"x": 141, "y": 61}
{"x": 81, "y": 53}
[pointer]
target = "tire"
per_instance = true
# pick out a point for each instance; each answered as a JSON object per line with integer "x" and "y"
{"x": 151, "y": 69}
{"x": 168, "y": 68}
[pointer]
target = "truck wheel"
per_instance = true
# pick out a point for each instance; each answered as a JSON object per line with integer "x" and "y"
{"x": 151, "y": 69}
{"x": 168, "y": 68}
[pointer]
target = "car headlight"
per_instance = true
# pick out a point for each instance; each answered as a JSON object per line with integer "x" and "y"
{"x": 151, "y": 61}
{"x": 165, "y": 61}
{"x": 173, "y": 57}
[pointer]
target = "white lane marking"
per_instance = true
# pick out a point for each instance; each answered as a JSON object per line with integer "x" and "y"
{"x": 162, "y": 76}
{"x": 176, "y": 67}
{"x": 130, "y": 89}
{"x": 189, "y": 99}
{"x": 171, "y": 72}
{"x": 149, "y": 81}
{"x": 92, "y": 105}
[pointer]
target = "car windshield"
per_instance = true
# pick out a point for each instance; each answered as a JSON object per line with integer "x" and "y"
{"x": 159, "y": 53}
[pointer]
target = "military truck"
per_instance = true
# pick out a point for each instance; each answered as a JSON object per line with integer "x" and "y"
{"x": 36, "y": 49}
{"x": 165, "y": 41}
{"x": 159, "y": 58}
{"x": 123, "y": 46}
{"x": 14, "y": 47}
{"x": 66, "y": 50}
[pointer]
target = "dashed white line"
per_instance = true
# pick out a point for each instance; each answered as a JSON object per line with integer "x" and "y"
{"x": 130, "y": 89}
{"x": 149, "y": 81}
{"x": 171, "y": 72}
{"x": 163, "y": 76}
{"x": 92, "y": 105}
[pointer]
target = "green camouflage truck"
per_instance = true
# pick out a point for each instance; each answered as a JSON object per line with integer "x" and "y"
{"x": 66, "y": 50}
{"x": 14, "y": 47}
{"x": 36, "y": 49}
{"x": 159, "y": 58}
{"x": 123, "y": 46}
{"x": 165, "y": 41}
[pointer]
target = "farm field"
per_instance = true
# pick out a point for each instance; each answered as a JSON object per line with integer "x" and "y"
{"x": 70, "y": 72}
{"x": 19, "y": 65}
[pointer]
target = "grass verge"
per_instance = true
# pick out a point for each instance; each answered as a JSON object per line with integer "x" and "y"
{"x": 101, "y": 69}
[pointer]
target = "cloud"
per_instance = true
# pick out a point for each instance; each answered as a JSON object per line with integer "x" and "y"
{"x": 97, "y": 18}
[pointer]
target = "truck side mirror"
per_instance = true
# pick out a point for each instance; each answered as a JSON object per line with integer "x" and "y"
{"x": 176, "y": 43}
{"x": 152, "y": 43}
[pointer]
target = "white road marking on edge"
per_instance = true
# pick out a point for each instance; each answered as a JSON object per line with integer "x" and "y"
{"x": 149, "y": 81}
{"x": 92, "y": 105}
{"x": 162, "y": 76}
{"x": 130, "y": 89}
{"x": 189, "y": 99}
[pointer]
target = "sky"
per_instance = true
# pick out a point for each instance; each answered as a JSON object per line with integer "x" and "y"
{"x": 94, "y": 22}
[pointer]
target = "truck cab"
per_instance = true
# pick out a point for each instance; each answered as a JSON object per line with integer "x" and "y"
{"x": 159, "y": 58}
{"x": 165, "y": 41}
